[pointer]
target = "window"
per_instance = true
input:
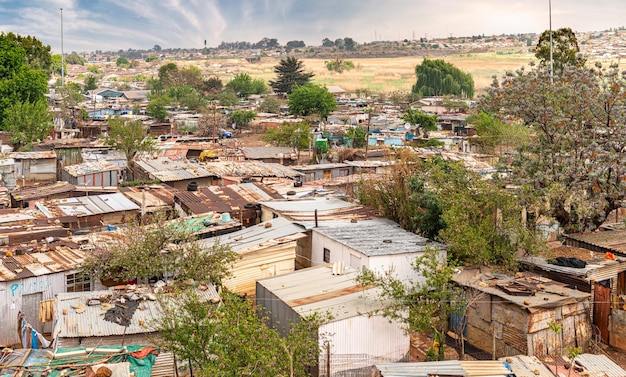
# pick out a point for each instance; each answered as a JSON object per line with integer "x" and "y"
{"x": 77, "y": 283}
{"x": 326, "y": 255}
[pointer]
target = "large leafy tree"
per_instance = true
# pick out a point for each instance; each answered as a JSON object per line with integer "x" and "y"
{"x": 242, "y": 117}
{"x": 19, "y": 83}
{"x": 244, "y": 85}
{"x": 573, "y": 168}
{"x": 157, "y": 107}
{"x": 28, "y": 122}
{"x": 289, "y": 73}
{"x": 37, "y": 54}
{"x": 159, "y": 248}
{"x": 311, "y": 99}
{"x": 439, "y": 78}
{"x": 295, "y": 135}
{"x": 187, "y": 97}
{"x": 129, "y": 137}
{"x": 565, "y": 50}
{"x": 223, "y": 339}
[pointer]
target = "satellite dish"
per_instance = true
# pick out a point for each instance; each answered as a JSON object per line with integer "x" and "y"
{"x": 407, "y": 126}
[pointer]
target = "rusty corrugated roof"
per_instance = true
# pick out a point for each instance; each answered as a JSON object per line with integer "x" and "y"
{"x": 62, "y": 258}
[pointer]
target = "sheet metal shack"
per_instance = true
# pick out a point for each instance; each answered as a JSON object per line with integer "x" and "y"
{"x": 357, "y": 339}
{"x": 179, "y": 173}
{"x": 34, "y": 167}
{"x": 240, "y": 200}
{"x": 90, "y": 211}
{"x": 92, "y": 174}
{"x": 515, "y": 312}
{"x": 604, "y": 278}
{"x": 29, "y": 278}
{"x": 79, "y": 322}
{"x": 265, "y": 250}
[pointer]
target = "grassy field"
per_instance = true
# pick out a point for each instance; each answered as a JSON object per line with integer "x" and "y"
{"x": 377, "y": 74}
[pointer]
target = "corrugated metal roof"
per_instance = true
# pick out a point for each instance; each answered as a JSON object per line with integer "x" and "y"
{"x": 596, "y": 270}
{"x": 257, "y": 153}
{"x": 614, "y": 240}
{"x": 317, "y": 290}
{"x": 225, "y": 198}
{"x": 32, "y": 155}
{"x": 28, "y": 193}
{"x": 90, "y": 168}
{"x": 259, "y": 236}
{"x": 376, "y": 237}
{"x": 444, "y": 368}
{"x": 91, "y": 322}
{"x": 154, "y": 197}
{"x": 169, "y": 169}
{"x": 599, "y": 365}
{"x": 87, "y": 205}
{"x": 592, "y": 365}
{"x": 37, "y": 264}
{"x": 553, "y": 294}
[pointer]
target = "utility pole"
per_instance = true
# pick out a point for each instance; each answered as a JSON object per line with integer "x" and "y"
{"x": 551, "y": 62}
{"x": 62, "y": 57}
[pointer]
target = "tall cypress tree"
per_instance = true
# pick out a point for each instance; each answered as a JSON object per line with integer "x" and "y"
{"x": 289, "y": 72}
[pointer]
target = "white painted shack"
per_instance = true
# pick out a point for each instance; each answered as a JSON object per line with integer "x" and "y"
{"x": 354, "y": 339}
{"x": 377, "y": 244}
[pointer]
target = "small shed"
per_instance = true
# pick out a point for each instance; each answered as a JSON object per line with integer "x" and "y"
{"x": 32, "y": 276}
{"x": 90, "y": 211}
{"x": 377, "y": 244}
{"x": 114, "y": 317}
{"x": 355, "y": 338}
{"x": 519, "y": 314}
{"x": 265, "y": 250}
{"x": 34, "y": 167}
{"x": 601, "y": 274}
{"x": 26, "y": 196}
{"x": 92, "y": 174}
{"x": 324, "y": 171}
{"x": 445, "y": 368}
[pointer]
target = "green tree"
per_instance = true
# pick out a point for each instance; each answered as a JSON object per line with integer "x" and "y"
{"x": 158, "y": 248}
{"x": 573, "y": 168}
{"x": 289, "y": 73}
{"x": 28, "y": 122}
{"x": 244, "y": 85}
{"x": 129, "y": 137}
{"x": 242, "y": 117}
{"x": 326, "y": 42}
{"x": 349, "y": 43}
{"x": 339, "y": 65}
{"x": 497, "y": 136}
{"x": 270, "y": 105}
{"x": 358, "y": 136}
{"x": 213, "y": 85}
{"x": 91, "y": 83}
{"x": 55, "y": 65}
{"x": 19, "y": 84}
{"x": 186, "y": 97}
{"x": 565, "y": 50}
{"x": 424, "y": 305}
{"x": 151, "y": 58}
{"x": 311, "y": 99}
{"x": 75, "y": 59}
{"x": 228, "y": 98}
{"x": 438, "y": 78}
{"x": 37, "y": 54}
{"x": 122, "y": 61}
{"x": 94, "y": 69}
{"x": 157, "y": 107}
{"x": 225, "y": 337}
{"x": 423, "y": 121}
{"x": 295, "y": 135}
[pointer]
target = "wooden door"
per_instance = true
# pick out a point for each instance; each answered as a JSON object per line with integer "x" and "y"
{"x": 602, "y": 308}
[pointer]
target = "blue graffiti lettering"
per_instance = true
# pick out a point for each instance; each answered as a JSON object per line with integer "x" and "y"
{"x": 13, "y": 289}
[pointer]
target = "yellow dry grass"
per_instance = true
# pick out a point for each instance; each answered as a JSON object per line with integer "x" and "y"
{"x": 376, "y": 74}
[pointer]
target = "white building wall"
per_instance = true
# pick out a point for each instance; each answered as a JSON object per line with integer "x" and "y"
{"x": 401, "y": 263}
{"x": 361, "y": 342}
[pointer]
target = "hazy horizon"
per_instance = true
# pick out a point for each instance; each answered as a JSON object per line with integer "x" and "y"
{"x": 113, "y": 25}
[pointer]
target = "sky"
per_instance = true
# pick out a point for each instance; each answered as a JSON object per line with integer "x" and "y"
{"x": 112, "y": 25}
